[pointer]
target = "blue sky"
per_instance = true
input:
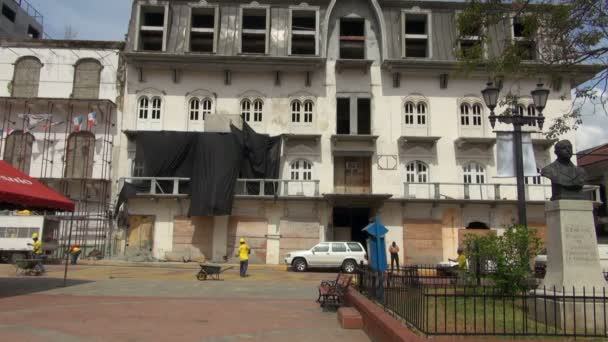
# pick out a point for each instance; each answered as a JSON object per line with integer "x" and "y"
{"x": 91, "y": 19}
{"x": 108, "y": 20}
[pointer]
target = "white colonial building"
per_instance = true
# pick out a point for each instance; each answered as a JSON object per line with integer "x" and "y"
{"x": 58, "y": 121}
{"x": 375, "y": 119}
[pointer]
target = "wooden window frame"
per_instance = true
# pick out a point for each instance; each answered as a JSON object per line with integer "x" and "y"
{"x": 242, "y": 11}
{"x": 314, "y": 9}
{"x": 215, "y": 30}
{"x": 140, "y": 10}
{"x": 428, "y": 36}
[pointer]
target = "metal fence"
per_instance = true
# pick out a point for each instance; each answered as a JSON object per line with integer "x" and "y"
{"x": 443, "y": 303}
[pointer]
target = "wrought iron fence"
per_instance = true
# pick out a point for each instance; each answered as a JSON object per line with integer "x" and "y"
{"x": 440, "y": 303}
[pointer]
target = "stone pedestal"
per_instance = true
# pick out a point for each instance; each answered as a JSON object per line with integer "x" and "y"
{"x": 572, "y": 254}
{"x": 571, "y": 297}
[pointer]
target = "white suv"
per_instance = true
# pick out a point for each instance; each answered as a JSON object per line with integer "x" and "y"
{"x": 345, "y": 255}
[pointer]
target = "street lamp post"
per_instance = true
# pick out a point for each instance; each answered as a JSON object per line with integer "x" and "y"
{"x": 516, "y": 118}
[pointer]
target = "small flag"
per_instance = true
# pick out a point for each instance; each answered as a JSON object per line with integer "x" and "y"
{"x": 50, "y": 124}
{"x": 77, "y": 122}
{"x": 92, "y": 119}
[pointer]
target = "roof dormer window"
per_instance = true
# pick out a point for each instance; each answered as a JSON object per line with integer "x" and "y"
{"x": 304, "y": 31}
{"x": 254, "y": 30}
{"x": 203, "y": 26}
{"x": 352, "y": 38}
{"x": 416, "y": 35}
{"x": 152, "y": 27}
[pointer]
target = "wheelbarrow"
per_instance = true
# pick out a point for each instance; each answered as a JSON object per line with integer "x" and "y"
{"x": 29, "y": 267}
{"x": 211, "y": 271}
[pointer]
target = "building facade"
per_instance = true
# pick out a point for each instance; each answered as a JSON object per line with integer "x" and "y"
{"x": 58, "y": 120}
{"x": 376, "y": 120}
{"x": 19, "y": 19}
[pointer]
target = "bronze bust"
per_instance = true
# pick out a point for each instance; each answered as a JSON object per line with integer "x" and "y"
{"x": 567, "y": 179}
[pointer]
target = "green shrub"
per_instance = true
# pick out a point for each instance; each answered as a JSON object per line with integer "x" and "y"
{"x": 510, "y": 257}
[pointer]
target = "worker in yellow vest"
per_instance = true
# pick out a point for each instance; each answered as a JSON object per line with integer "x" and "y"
{"x": 243, "y": 255}
{"x": 38, "y": 252}
{"x": 75, "y": 253}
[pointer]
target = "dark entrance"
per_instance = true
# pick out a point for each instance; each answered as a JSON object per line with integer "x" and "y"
{"x": 354, "y": 218}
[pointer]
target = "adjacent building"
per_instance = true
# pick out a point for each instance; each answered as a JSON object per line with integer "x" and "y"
{"x": 19, "y": 19}
{"x": 58, "y": 120}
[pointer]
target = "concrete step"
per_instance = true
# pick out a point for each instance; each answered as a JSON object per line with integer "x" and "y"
{"x": 350, "y": 318}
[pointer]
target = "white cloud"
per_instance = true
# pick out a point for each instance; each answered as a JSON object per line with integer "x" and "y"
{"x": 593, "y": 132}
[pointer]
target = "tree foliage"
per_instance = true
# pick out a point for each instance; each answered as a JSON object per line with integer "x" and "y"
{"x": 510, "y": 256}
{"x": 560, "y": 34}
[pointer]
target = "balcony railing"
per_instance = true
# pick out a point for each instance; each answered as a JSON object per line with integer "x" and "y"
{"x": 278, "y": 187}
{"x": 157, "y": 186}
{"x": 487, "y": 192}
{"x": 175, "y": 186}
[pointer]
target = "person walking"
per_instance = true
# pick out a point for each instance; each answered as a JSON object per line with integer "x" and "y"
{"x": 394, "y": 250}
{"x": 38, "y": 252}
{"x": 75, "y": 252}
{"x": 243, "y": 255}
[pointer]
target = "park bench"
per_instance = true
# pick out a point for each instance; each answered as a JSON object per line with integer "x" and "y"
{"x": 331, "y": 292}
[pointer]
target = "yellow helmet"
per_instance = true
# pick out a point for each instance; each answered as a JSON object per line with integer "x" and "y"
{"x": 242, "y": 240}
{"x": 35, "y": 236}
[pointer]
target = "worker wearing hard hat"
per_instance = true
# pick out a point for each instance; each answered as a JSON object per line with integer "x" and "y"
{"x": 38, "y": 252}
{"x": 243, "y": 255}
{"x": 75, "y": 253}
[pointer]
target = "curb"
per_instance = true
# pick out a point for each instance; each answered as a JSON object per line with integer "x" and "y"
{"x": 182, "y": 265}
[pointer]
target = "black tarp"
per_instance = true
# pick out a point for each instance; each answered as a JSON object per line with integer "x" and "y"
{"x": 213, "y": 162}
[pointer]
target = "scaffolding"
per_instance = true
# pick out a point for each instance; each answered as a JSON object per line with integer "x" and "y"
{"x": 55, "y": 164}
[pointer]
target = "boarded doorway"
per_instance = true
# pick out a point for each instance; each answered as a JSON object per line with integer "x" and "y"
{"x": 352, "y": 175}
{"x": 140, "y": 235}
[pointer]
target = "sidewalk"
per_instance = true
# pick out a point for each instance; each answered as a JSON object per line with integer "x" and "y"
{"x": 168, "y": 264}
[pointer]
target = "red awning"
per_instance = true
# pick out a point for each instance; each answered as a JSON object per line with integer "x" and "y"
{"x": 20, "y": 189}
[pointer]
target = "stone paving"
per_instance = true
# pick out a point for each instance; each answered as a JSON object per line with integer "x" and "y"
{"x": 104, "y": 303}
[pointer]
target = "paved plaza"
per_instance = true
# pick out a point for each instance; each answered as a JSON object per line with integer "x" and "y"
{"x": 167, "y": 303}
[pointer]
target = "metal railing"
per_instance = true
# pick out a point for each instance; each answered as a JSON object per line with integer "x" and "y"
{"x": 173, "y": 186}
{"x": 30, "y": 10}
{"x": 277, "y": 187}
{"x": 483, "y": 191}
{"x": 158, "y": 186}
{"x": 450, "y": 306}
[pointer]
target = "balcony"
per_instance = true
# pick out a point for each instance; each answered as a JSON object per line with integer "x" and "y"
{"x": 481, "y": 192}
{"x": 179, "y": 187}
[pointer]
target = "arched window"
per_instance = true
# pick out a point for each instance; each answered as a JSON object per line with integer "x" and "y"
{"x": 531, "y": 112}
{"x": 143, "y": 107}
{"x": 258, "y": 107}
{"x": 417, "y": 172}
{"x": 199, "y": 109}
{"x": 26, "y": 78}
{"x": 194, "y": 109}
{"x": 251, "y": 111}
{"x": 477, "y": 110}
{"x": 301, "y": 170}
{"x": 301, "y": 112}
{"x": 87, "y": 74}
{"x": 465, "y": 110}
{"x": 409, "y": 113}
{"x": 246, "y": 110}
{"x": 421, "y": 117}
{"x": 18, "y": 150}
{"x": 296, "y": 108}
{"x": 308, "y": 110}
{"x": 80, "y": 154}
{"x": 474, "y": 173}
{"x": 156, "y": 104}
